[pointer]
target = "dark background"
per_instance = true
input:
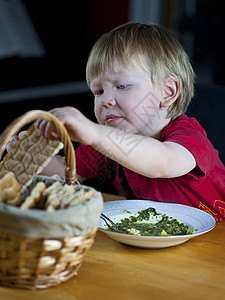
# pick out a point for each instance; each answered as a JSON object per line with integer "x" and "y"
{"x": 68, "y": 29}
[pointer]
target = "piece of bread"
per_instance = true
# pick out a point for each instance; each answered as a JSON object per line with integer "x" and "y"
{"x": 35, "y": 196}
{"x": 10, "y": 190}
{"x": 50, "y": 198}
{"x": 29, "y": 156}
{"x": 59, "y": 197}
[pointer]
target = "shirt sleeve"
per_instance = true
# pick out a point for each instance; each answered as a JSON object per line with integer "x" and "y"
{"x": 188, "y": 133}
{"x": 89, "y": 162}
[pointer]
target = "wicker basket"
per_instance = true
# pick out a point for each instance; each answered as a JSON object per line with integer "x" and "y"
{"x": 33, "y": 261}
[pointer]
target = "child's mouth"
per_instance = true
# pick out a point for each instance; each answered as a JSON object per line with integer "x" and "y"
{"x": 111, "y": 118}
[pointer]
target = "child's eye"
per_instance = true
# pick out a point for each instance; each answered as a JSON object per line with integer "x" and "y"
{"x": 122, "y": 86}
{"x": 97, "y": 93}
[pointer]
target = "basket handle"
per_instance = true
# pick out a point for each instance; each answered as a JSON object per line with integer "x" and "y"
{"x": 18, "y": 123}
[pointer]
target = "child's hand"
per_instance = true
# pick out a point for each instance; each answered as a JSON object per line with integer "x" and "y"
{"x": 15, "y": 140}
{"x": 79, "y": 128}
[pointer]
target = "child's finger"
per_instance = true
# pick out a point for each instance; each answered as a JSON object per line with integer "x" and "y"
{"x": 21, "y": 134}
{"x": 8, "y": 147}
{"x": 50, "y": 130}
{"x": 46, "y": 128}
{"x": 41, "y": 124}
{"x": 13, "y": 141}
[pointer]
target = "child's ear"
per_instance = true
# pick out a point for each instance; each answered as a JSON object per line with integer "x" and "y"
{"x": 170, "y": 91}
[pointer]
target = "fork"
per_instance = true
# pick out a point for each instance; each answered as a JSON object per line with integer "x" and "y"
{"x": 112, "y": 226}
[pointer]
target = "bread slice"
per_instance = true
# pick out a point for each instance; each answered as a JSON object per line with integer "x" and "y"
{"x": 29, "y": 157}
{"x": 10, "y": 190}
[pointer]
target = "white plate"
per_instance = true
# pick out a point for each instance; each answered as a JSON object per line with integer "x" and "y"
{"x": 195, "y": 218}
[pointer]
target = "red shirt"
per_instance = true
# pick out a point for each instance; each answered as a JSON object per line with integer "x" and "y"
{"x": 203, "y": 187}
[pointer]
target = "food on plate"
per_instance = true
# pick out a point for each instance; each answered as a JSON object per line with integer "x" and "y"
{"x": 149, "y": 222}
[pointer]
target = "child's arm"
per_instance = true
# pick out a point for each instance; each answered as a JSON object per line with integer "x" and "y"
{"x": 143, "y": 155}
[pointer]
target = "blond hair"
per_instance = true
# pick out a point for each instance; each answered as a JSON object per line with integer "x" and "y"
{"x": 154, "y": 48}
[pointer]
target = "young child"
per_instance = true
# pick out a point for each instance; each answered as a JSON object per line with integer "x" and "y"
{"x": 142, "y": 83}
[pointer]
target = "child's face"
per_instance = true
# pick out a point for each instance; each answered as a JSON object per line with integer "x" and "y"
{"x": 127, "y": 100}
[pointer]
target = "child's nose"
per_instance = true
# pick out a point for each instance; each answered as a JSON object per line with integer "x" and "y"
{"x": 108, "y": 100}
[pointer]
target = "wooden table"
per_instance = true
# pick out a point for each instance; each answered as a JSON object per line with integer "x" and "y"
{"x": 113, "y": 271}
